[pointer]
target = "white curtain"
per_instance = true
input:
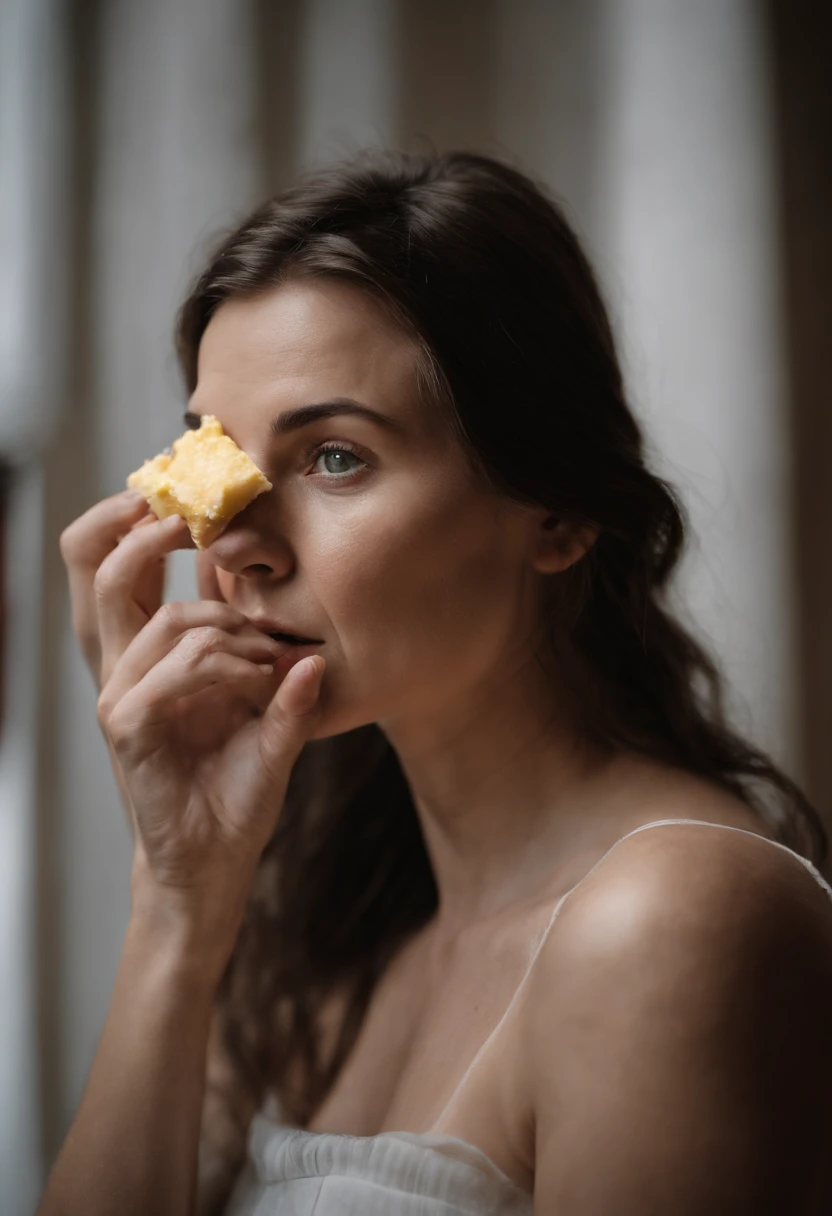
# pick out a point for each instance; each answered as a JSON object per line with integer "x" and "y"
{"x": 33, "y": 151}
{"x": 686, "y": 226}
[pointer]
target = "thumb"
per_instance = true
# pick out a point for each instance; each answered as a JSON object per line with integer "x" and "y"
{"x": 290, "y": 715}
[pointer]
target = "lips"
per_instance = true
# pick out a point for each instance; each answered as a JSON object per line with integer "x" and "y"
{"x": 296, "y": 650}
{"x": 293, "y": 640}
{"x": 282, "y": 632}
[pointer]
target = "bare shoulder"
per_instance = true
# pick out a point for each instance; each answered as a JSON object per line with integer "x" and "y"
{"x": 714, "y": 894}
{"x": 677, "y": 1030}
{"x": 699, "y": 873}
{"x": 701, "y": 892}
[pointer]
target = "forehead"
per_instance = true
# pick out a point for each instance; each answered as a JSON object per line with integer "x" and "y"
{"x": 305, "y": 341}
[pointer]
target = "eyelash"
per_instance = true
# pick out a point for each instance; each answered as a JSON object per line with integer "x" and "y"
{"x": 317, "y": 450}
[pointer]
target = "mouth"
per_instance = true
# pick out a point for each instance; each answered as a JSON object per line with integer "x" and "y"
{"x": 293, "y": 640}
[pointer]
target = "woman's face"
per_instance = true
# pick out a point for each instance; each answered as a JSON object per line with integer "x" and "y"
{"x": 388, "y": 547}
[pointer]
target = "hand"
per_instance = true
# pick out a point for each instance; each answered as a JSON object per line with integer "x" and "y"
{"x": 86, "y": 546}
{"x": 206, "y": 739}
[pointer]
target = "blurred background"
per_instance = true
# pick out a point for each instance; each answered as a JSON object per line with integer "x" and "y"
{"x": 689, "y": 141}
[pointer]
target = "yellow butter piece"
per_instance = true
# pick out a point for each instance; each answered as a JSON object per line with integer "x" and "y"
{"x": 207, "y": 479}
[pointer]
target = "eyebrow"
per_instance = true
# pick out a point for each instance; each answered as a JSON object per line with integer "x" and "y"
{"x": 305, "y": 415}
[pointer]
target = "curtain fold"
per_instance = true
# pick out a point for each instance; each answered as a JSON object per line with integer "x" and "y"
{"x": 34, "y": 221}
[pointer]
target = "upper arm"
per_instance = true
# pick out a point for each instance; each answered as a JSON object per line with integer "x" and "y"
{"x": 679, "y": 1034}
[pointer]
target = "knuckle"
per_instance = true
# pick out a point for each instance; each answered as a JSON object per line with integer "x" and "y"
{"x": 124, "y": 722}
{"x": 104, "y": 711}
{"x": 217, "y": 614}
{"x": 67, "y": 542}
{"x": 103, "y": 583}
{"x": 119, "y": 730}
{"x": 191, "y": 616}
{"x": 172, "y": 616}
{"x": 224, "y": 612}
{"x": 74, "y": 543}
{"x": 200, "y": 642}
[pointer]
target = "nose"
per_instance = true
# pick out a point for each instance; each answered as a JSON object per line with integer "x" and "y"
{"x": 249, "y": 549}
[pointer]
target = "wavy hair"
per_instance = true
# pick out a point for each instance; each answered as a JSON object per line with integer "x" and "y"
{"x": 478, "y": 265}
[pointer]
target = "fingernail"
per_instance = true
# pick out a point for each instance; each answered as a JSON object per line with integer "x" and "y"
{"x": 309, "y": 675}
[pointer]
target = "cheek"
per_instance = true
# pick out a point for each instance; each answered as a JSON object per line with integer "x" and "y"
{"x": 417, "y": 592}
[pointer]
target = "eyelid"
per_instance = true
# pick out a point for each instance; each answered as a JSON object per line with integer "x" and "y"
{"x": 315, "y": 451}
{"x": 346, "y": 444}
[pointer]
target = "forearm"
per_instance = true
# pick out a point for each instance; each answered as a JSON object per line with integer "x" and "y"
{"x": 132, "y": 1147}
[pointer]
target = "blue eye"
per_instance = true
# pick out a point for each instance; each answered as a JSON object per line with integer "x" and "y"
{"x": 339, "y": 469}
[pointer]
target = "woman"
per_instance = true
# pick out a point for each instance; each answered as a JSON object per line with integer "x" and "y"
{"x": 458, "y": 908}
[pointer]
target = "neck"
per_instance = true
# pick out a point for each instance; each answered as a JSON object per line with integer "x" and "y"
{"x": 504, "y": 789}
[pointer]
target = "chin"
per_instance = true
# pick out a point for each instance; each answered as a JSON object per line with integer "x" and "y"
{"x": 338, "y": 719}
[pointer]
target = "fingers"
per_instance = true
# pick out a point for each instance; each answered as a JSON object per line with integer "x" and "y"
{"x": 206, "y": 579}
{"x": 89, "y": 538}
{"x": 84, "y": 546}
{"x": 173, "y": 623}
{"x": 122, "y": 571}
{"x": 287, "y": 722}
{"x": 201, "y": 658}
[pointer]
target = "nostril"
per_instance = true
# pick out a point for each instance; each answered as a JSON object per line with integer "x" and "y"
{"x": 258, "y": 568}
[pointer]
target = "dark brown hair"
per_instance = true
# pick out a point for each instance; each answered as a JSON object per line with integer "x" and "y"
{"x": 474, "y": 261}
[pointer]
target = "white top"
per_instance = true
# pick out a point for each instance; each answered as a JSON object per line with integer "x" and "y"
{"x": 293, "y": 1172}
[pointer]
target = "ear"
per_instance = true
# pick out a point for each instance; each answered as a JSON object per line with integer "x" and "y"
{"x": 559, "y": 543}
